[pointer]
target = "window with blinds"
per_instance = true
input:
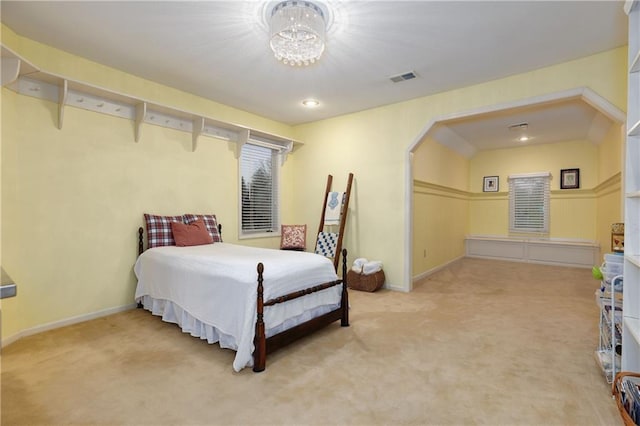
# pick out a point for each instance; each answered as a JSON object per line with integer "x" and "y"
{"x": 258, "y": 189}
{"x": 529, "y": 203}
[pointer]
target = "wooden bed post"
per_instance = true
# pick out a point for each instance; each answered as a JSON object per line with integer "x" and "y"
{"x": 140, "y": 245}
{"x": 259, "y": 341}
{"x": 344, "y": 304}
{"x": 140, "y": 251}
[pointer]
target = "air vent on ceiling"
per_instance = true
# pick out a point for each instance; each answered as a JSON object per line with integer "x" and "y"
{"x": 403, "y": 77}
{"x": 519, "y": 127}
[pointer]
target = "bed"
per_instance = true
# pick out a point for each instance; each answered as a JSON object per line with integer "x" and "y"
{"x": 251, "y": 300}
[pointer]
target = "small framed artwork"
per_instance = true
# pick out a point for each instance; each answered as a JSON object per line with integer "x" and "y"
{"x": 617, "y": 243}
{"x": 569, "y": 178}
{"x": 490, "y": 184}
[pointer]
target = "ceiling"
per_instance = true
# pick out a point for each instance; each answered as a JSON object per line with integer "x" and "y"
{"x": 569, "y": 119}
{"x": 219, "y": 50}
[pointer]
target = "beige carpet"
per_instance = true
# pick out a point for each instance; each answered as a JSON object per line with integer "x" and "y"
{"x": 480, "y": 342}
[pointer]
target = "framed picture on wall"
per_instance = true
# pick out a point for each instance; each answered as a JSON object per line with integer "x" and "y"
{"x": 569, "y": 178}
{"x": 490, "y": 184}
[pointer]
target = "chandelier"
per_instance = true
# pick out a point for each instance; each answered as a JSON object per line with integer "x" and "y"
{"x": 297, "y": 30}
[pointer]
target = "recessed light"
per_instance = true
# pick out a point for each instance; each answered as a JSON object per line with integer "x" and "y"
{"x": 523, "y": 138}
{"x": 311, "y": 103}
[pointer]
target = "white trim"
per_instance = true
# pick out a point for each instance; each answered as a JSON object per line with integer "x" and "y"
{"x": 547, "y": 251}
{"x": 278, "y": 152}
{"x": 529, "y": 175}
{"x": 395, "y": 288}
{"x": 59, "y": 89}
{"x": 432, "y": 271}
{"x": 65, "y": 322}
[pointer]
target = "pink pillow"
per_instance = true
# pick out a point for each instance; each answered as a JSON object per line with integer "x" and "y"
{"x": 293, "y": 237}
{"x": 193, "y": 234}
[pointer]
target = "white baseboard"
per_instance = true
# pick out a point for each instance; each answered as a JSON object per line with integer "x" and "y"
{"x": 582, "y": 254}
{"x": 434, "y": 270}
{"x": 395, "y": 288}
{"x": 63, "y": 323}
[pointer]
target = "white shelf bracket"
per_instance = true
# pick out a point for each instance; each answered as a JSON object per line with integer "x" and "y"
{"x": 141, "y": 112}
{"x": 10, "y": 70}
{"x": 63, "y": 90}
{"x": 287, "y": 149}
{"x": 243, "y": 138}
{"x": 198, "y": 127}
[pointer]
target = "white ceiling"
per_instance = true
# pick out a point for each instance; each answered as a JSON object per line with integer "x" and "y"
{"x": 570, "y": 119}
{"x": 219, "y": 49}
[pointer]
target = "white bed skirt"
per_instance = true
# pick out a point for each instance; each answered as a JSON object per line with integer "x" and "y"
{"x": 173, "y": 313}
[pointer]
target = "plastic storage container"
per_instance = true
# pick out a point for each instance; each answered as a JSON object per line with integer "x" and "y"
{"x": 612, "y": 267}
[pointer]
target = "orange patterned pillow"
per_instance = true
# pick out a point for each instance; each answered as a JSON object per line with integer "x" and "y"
{"x": 293, "y": 236}
{"x": 193, "y": 234}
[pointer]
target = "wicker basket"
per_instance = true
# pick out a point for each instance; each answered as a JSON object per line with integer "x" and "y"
{"x": 616, "y": 390}
{"x": 371, "y": 282}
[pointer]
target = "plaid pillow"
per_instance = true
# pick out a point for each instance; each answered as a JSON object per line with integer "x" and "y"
{"x": 209, "y": 221}
{"x": 159, "y": 230}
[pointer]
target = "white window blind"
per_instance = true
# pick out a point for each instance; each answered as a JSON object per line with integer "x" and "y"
{"x": 258, "y": 189}
{"x": 529, "y": 203}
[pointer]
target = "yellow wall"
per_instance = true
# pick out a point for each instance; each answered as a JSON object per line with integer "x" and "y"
{"x": 62, "y": 188}
{"x": 609, "y": 189}
{"x": 439, "y": 225}
{"x": 440, "y": 205}
{"x": 374, "y": 144}
{"x": 72, "y": 199}
{"x": 440, "y": 165}
{"x": 584, "y": 214}
{"x": 536, "y": 158}
{"x": 444, "y": 212}
{"x": 572, "y": 212}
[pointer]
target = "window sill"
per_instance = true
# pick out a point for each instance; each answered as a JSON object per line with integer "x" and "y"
{"x": 259, "y": 235}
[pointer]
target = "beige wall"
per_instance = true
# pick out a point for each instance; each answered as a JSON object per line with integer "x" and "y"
{"x": 72, "y": 198}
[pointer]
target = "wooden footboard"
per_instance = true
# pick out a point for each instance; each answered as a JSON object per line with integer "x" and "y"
{"x": 264, "y": 345}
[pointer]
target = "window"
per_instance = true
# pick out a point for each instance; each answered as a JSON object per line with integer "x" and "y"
{"x": 259, "y": 207}
{"x": 529, "y": 203}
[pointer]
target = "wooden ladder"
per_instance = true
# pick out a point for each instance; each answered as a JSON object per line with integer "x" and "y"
{"x": 343, "y": 216}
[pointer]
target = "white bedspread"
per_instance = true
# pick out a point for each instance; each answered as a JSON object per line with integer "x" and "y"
{"x": 215, "y": 285}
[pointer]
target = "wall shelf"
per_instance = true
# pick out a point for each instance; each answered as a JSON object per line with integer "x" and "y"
{"x": 26, "y": 79}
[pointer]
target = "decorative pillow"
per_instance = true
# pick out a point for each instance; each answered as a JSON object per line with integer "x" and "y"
{"x": 159, "y": 230}
{"x": 193, "y": 234}
{"x": 209, "y": 221}
{"x": 326, "y": 244}
{"x": 293, "y": 237}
